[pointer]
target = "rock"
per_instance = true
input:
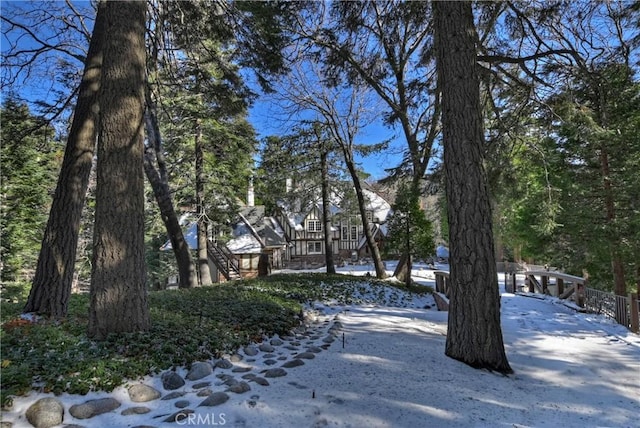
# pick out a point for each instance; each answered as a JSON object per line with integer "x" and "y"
{"x": 241, "y": 369}
{"x": 240, "y": 388}
{"x": 270, "y": 362}
{"x": 140, "y": 410}
{"x": 224, "y": 364}
{"x": 249, "y": 376}
{"x": 204, "y": 392}
{"x": 171, "y": 380}
{"x": 172, "y": 395}
{"x": 291, "y": 347}
{"x": 265, "y": 347}
{"x": 142, "y": 393}
{"x": 269, "y": 355}
{"x": 179, "y": 415}
{"x": 215, "y": 399}
{"x": 92, "y": 408}
{"x": 328, "y": 339}
{"x": 306, "y": 355}
{"x": 276, "y": 342}
{"x": 45, "y": 413}
{"x": 277, "y": 372}
{"x": 260, "y": 381}
{"x": 293, "y": 363}
{"x": 181, "y": 404}
{"x": 201, "y": 385}
{"x": 250, "y": 350}
{"x": 283, "y": 358}
{"x": 235, "y": 358}
{"x": 199, "y": 370}
{"x": 314, "y": 349}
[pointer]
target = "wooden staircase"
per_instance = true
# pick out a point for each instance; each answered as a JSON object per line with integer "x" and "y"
{"x": 224, "y": 260}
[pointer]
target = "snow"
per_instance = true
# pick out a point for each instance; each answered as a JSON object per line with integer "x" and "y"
{"x": 571, "y": 370}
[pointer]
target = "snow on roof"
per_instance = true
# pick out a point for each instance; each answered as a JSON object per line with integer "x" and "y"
{"x": 373, "y": 202}
{"x": 244, "y": 244}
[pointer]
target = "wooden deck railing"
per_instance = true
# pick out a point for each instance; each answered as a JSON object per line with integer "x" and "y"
{"x": 623, "y": 309}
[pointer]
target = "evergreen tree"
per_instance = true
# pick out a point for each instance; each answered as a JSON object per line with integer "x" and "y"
{"x": 409, "y": 230}
{"x": 29, "y": 159}
{"x": 474, "y": 333}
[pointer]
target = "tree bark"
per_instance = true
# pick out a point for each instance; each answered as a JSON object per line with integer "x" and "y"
{"x": 371, "y": 243}
{"x": 188, "y": 277}
{"x": 326, "y": 215}
{"x": 474, "y": 332}
{"x": 118, "y": 297}
{"x": 186, "y": 267}
{"x": 203, "y": 257}
{"x": 53, "y": 279}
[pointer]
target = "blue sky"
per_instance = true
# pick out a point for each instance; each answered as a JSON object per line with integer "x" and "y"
{"x": 267, "y": 120}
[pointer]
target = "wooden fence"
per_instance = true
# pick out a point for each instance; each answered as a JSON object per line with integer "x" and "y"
{"x": 623, "y": 309}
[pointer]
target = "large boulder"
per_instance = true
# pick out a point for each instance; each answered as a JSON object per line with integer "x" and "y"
{"x": 45, "y": 413}
{"x": 92, "y": 408}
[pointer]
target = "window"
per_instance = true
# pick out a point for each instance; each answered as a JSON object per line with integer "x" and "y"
{"x": 314, "y": 247}
{"x": 345, "y": 233}
{"x": 314, "y": 225}
{"x": 354, "y": 233}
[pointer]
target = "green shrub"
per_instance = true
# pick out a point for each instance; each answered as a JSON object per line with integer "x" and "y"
{"x": 187, "y": 325}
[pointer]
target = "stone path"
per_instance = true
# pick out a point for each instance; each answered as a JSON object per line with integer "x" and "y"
{"x": 205, "y": 384}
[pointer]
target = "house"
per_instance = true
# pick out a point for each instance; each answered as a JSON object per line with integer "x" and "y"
{"x": 254, "y": 236}
{"x": 303, "y": 227}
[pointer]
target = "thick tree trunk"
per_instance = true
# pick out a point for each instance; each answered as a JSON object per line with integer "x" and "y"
{"x": 326, "y": 215}
{"x": 54, "y": 272}
{"x": 474, "y": 332}
{"x": 118, "y": 298}
{"x": 188, "y": 277}
{"x": 203, "y": 257}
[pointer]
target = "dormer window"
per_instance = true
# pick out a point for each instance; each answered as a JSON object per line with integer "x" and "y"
{"x": 314, "y": 225}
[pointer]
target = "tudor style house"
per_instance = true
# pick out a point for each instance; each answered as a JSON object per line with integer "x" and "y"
{"x": 291, "y": 238}
{"x": 304, "y": 230}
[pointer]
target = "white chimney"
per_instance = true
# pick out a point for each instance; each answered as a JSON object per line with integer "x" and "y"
{"x": 251, "y": 199}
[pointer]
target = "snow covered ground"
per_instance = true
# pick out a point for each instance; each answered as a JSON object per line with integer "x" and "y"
{"x": 571, "y": 370}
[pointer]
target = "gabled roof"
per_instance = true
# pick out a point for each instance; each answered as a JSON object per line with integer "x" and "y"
{"x": 254, "y": 231}
{"x": 296, "y": 215}
{"x": 190, "y": 235}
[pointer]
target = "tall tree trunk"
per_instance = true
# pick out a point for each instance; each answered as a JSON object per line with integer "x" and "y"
{"x": 371, "y": 243}
{"x": 186, "y": 267}
{"x": 474, "y": 333}
{"x": 118, "y": 297}
{"x": 203, "y": 257}
{"x": 188, "y": 277}
{"x": 54, "y": 272}
{"x": 326, "y": 214}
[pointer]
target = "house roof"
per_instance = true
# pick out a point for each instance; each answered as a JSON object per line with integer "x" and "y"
{"x": 296, "y": 215}
{"x": 254, "y": 231}
{"x": 190, "y": 235}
